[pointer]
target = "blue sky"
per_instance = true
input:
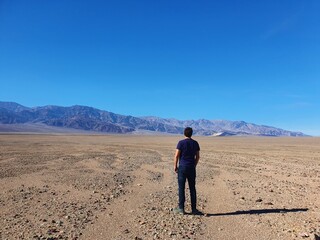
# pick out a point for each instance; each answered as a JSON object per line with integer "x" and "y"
{"x": 257, "y": 61}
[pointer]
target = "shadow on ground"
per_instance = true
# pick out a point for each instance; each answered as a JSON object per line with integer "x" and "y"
{"x": 259, "y": 211}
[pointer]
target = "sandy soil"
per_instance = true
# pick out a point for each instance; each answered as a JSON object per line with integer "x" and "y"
{"x": 124, "y": 187}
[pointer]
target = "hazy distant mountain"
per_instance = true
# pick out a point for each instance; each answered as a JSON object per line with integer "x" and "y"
{"x": 12, "y": 106}
{"x": 92, "y": 119}
{"x": 226, "y": 128}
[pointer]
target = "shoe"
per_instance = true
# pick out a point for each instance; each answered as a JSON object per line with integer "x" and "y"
{"x": 196, "y": 212}
{"x": 178, "y": 210}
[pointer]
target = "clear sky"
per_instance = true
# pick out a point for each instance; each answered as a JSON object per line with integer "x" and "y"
{"x": 257, "y": 61}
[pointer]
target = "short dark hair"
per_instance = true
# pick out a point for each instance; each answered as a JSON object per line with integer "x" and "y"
{"x": 188, "y": 131}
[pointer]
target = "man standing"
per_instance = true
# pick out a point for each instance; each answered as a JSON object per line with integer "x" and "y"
{"x": 187, "y": 154}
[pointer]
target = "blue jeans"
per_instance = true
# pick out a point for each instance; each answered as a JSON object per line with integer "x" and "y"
{"x": 184, "y": 173}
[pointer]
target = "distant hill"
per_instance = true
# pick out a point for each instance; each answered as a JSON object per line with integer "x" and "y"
{"x": 15, "y": 117}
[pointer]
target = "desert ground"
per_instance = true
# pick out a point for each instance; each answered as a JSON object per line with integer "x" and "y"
{"x": 124, "y": 187}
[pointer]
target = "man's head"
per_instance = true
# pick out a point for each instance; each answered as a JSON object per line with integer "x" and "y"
{"x": 188, "y": 132}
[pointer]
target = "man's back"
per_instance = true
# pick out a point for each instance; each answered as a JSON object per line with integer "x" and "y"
{"x": 189, "y": 149}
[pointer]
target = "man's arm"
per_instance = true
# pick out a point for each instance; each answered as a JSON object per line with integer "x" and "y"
{"x": 176, "y": 160}
{"x": 197, "y": 157}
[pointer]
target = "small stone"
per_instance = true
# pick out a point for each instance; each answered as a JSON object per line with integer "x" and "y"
{"x": 304, "y": 235}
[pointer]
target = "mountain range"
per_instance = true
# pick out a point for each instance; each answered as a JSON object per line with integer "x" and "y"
{"x": 17, "y": 118}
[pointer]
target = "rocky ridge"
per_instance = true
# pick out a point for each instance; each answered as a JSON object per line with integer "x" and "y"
{"x": 92, "y": 119}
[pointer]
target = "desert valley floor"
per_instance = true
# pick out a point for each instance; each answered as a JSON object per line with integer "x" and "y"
{"x": 124, "y": 187}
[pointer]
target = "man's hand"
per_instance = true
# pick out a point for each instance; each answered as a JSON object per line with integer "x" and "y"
{"x": 197, "y": 157}
{"x": 176, "y": 160}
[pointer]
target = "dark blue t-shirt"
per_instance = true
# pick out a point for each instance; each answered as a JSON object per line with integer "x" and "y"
{"x": 188, "y": 148}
